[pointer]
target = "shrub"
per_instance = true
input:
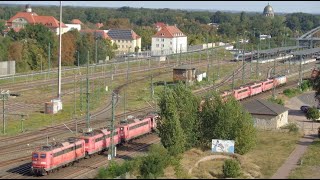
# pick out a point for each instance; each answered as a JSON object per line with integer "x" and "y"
{"x": 114, "y": 170}
{"x": 306, "y": 85}
{"x": 291, "y": 92}
{"x": 313, "y": 114}
{"x": 275, "y": 100}
{"x": 231, "y": 168}
{"x": 292, "y": 127}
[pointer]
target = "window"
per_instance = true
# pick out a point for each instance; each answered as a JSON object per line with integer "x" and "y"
{"x": 122, "y": 40}
{"x": 157, "y": 45}
{"x": 35, "y": 156}
{"x": 257, "y": 87}
{"x": 122, "y": 46}
{"x": 171, "y": 43}
{"x": 86, "y": 140}
{"x": 162, "y": 45}
{"x": 162, "y": 40}
{"x": 243, "y": 91}
{"x": 42, "y": 156}
{"x": 118, "y": 40}
{"x": 157, "y": 39}
{"x": 269, "y": 82}
{"x": 138, "y": 125}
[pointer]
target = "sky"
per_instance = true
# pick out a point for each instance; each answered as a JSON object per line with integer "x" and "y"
{"x": 311, "y": 7}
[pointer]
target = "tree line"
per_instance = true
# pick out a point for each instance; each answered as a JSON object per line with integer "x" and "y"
{"x": 33, "y": 46}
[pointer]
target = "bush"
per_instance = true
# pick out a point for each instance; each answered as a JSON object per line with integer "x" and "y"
{"x": 114, "y": 170}
{"x": 152, "y": 166}
{"x": 291, "y": 92}
{"x": 275, "y": 100}
{"x": 313, "y": 114}
{"x": 292, "y": 127}
{"x": 306, "y": 85}
{"x": 231, "y": 168}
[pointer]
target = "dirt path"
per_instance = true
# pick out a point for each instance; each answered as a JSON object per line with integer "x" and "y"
{"x": 309, "y": 129}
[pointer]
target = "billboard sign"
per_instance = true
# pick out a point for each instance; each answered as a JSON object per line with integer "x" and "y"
{"x": 226, "y": 146}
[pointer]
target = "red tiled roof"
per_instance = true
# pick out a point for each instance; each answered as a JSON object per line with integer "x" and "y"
{"x": 76, "y": 21}
{"x": 135, "y": 35}
{"x": 33, "y": 18}
{"x": 48, "y": 21}
{"x": 28, "y": 16}
{"x": 99, "y": 25}
{"x": 160, "y": 24}
{"x": 169, "y": 32}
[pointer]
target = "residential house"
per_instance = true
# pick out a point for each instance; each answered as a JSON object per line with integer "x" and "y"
{"x": 126, "y": 39}
{"x": 21, "y": 19}
{"x": 168, "y": 40}
{"x": 267, "y": 115}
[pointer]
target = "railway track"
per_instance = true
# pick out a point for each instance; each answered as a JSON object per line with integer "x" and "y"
{"x": 52, "y": 131}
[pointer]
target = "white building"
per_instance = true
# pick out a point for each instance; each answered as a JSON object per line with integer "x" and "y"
{"x": 168, "y": 40}
{"x": 72, "y": 26}
{"x": 267, "y": 115}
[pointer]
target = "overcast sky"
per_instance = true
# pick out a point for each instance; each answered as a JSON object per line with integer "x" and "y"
{"x": 312, "y": 7}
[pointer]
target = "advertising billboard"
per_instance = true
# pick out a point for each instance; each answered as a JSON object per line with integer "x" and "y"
{"x": 226, "y": 146}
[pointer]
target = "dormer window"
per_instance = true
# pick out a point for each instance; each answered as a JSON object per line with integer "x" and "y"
{"x": 162, "y": 34}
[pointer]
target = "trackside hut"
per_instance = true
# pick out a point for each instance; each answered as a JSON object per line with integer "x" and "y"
{"x": 184, "y": 73}
{"x": 267, "y": 115}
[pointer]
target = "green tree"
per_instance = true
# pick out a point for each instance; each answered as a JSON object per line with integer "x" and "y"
{"x": 170, "y": 131}
{"x": 227, "y": 120}
{"x": 313, "y": 114}
{"x": 187, "y": 106}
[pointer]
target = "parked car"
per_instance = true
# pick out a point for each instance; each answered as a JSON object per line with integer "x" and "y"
{"x": 304, "y": 108}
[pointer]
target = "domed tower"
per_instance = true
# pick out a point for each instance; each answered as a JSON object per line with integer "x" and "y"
{"x": 268, "y": 11}
{"x": 28, "y": 8}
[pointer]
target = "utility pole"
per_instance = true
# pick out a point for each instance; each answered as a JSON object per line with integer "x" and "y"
{"x": 232, "y": 86}
{"x": 96, "y": 56}
{"x": 152, "y": 88}
{"x": 49, "y": 60}
{"x": 257, "y": 65}
{"x": 300, "y": 72}
{"x": 88, "y": 116}
{"x": 81, "y": 94}
{"x": 75, "y": 102}
{"x": 78, "y": 60}
{"x": 274, "y": 75}
{"x": 125, "y": 92}
{"x": 243, "y": 56}
{"x": 4, "y": 97}
{"x": 112, "y": 124}
{"x": 59, "y": 67}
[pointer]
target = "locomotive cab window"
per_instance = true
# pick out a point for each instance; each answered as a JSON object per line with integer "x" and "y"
{"x": 35, "y": 156}
{"x": 43, "y": 156}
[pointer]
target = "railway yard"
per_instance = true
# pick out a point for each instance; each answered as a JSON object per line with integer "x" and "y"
{"x": 131, "y": 83}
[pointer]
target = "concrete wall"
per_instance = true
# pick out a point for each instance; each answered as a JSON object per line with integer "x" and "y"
{"x": 274, "y": 123}
{"x": 7, "y": 68}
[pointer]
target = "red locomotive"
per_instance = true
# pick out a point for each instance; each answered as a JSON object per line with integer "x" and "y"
{"x": 48, "y": 158}
{"x": 254, "y": 88}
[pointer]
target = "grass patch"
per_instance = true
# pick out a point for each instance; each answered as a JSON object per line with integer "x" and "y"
{"x": 272, "y": 149}
{"x": 309, "y": 169}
